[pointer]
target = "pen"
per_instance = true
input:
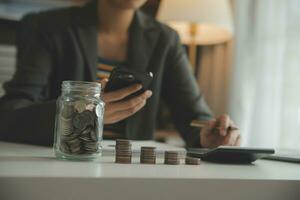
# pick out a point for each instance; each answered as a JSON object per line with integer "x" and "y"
{"x": 202, "y": 123}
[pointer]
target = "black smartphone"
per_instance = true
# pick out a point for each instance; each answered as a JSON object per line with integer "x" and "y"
{"x": 122, "y": 77}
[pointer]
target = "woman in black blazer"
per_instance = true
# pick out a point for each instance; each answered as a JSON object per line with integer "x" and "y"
{"x": 85, "y": 43}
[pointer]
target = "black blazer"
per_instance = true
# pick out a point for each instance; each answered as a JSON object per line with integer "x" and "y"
{"x": 61, "y": 45}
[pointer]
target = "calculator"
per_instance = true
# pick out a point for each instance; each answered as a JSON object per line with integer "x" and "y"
{"x": 230, "y": 154}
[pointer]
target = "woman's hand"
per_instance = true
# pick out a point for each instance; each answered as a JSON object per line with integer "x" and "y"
{"x": 116, "y": 108}
{"x": 218, "y": 132}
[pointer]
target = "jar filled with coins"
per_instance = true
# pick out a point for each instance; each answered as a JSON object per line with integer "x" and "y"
{"x": 79, "y": 121}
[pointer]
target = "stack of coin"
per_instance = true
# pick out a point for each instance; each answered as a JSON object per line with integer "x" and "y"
{"x": 148, "y": 155}
{"x": 172, "y": 158}
{"x": 192, "y": 160}
{"x": 123, "y": 151}
{"x": 79, "y": 128}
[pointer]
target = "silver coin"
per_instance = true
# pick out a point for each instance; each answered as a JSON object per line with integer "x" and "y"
{"x": 82, "y": 120}
{"x": 85, "y": 136}
{"x": 94, "y": 135}
{"x": 74, "y": 143}
{"x": 86, "y": 131}
{"x": 64, "y": 147}
{"x": 80, "y": 106}
{"x": 192, "y": 161}
{"x": 90, "y": 107}
{"x": 91, "y": 146}
{"x": 67, "y": 110}
{"x": 65, "y": 126}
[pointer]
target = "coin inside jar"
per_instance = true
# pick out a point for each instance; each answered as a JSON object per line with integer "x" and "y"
{"x": 83, "y": 119}
{"x": 79, "y": 134}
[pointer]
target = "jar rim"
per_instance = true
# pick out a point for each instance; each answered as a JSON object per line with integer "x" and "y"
{"x": 81, "y": 85}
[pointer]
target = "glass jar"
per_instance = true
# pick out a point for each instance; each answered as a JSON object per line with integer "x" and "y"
{"x": 79, "y": 121}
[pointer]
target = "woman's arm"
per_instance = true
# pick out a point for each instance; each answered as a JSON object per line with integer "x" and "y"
{"x": 24, "y": 116}
{"x": 182, "y": 93}
{"x": 33, "y": 67}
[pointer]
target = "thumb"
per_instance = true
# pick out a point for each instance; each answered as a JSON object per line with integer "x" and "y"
{"x": 103, "y": 83}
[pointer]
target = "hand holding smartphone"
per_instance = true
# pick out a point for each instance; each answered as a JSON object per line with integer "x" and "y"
{"x": 124, "y": 77}
{"x": 125, "y": 93}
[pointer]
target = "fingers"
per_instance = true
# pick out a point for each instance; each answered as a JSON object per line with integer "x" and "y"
{"x": 131, "y": 103}
{"x": 219, "y": 132}
{"x": 231, "y": 139}
{"x": 120, "y": 94}
{"x": 238, "y": 141}
{"x": 126, "y": 113}
{"x": 117, "y": 111}
{"x": 224, "y": 122}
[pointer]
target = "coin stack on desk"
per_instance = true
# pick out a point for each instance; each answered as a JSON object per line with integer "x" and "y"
{"x": 78, "y": 127}
{"x": 192, "y": 160}
{"x": 148, "y": 155}
{"x": 172, "y": 158}
{"x": 123, "y": 151}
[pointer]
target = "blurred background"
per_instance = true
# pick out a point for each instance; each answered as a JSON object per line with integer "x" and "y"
{"x": 245, "y": 55}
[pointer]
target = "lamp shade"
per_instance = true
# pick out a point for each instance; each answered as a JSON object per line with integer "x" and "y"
{"x": 214, "y": 12}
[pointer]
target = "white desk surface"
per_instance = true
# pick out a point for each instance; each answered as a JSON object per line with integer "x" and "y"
{"x": 32, "y": 172}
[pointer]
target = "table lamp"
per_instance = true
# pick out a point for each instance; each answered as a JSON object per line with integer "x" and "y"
{"x": 199, "y": 22}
